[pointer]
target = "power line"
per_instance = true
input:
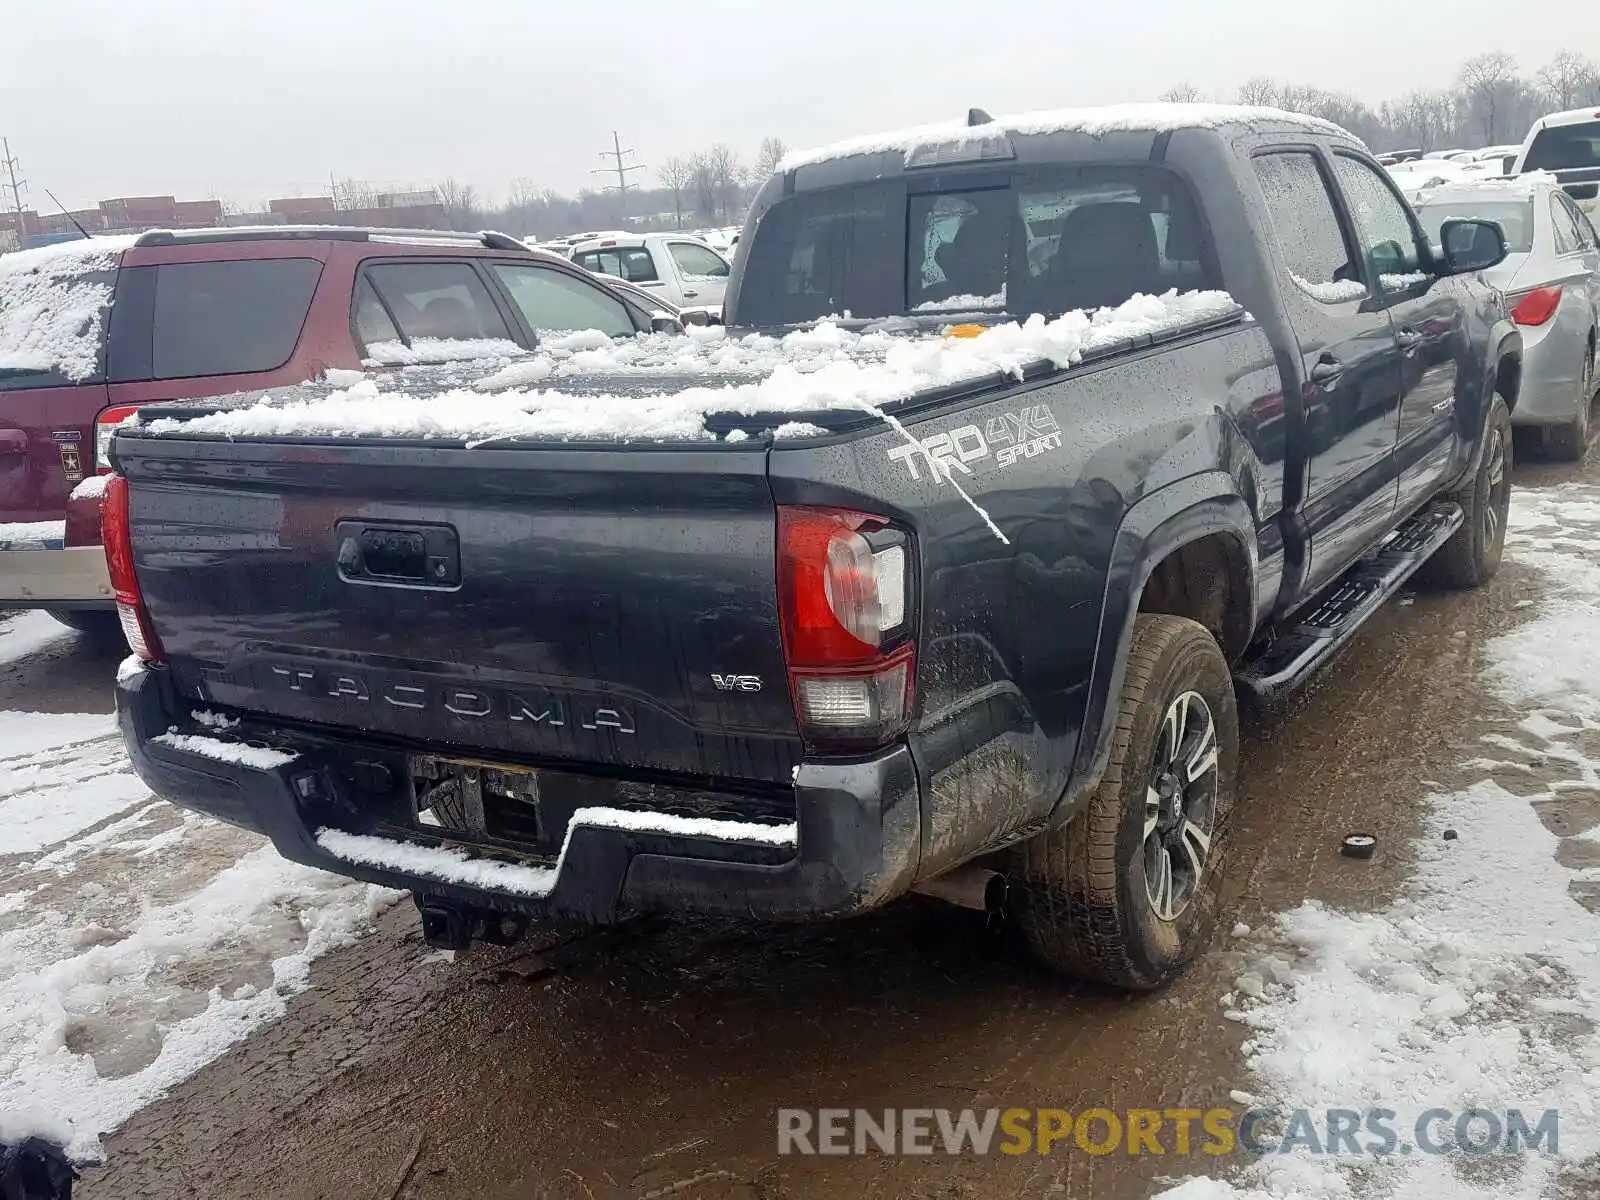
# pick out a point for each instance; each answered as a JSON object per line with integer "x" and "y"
{"x": 621, "y": 167}
{"x": 16, "y": 185}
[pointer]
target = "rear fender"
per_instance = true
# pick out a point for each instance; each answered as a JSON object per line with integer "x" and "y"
{"x": 1184, "y": 512}
{"x": 1504, "y": 342}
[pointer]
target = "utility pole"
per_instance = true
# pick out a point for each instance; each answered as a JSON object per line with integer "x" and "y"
{"x": 621, "y": 167}
{"x": 16, "y": 185}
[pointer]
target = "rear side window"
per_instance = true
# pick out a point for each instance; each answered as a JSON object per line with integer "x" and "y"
{"x": 555, "y": 300}
{"x": 635, "y": 264}
{"x": 1306, "y": 225}
{"x": 229, "y": 318}
{"x": 697, "y": 260}
{"x": 1566, "y": 229}
{"x": 437, "y": 301}
{"x": 1565, "y": 147}
{"x": 53, "y": 310}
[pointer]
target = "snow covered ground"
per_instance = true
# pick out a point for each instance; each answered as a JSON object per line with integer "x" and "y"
{"x": 137, "y": 942}
{"x": 1479, "y": 988}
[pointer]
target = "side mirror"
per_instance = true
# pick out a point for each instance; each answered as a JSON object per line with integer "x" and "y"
{"x": 1471, "y": 245}
{"x": 661, "y": 323}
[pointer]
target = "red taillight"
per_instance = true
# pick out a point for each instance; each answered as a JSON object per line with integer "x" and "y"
{"x": 1538, "y": 306}
{"x": 844, "y": 597}
{"x": 117, "y": 537}
{"x": 105, "y": 426}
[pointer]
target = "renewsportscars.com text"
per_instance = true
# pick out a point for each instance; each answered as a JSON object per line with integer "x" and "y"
{"x": 1171, "y": 1131}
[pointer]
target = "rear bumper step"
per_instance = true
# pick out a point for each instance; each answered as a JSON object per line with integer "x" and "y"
{"x": 72, "y": 577}
{"x": 1345, "y": 605}
{"x": 854, "y": 845}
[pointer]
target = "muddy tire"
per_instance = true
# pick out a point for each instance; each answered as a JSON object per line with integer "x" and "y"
{"x": 1472, "y": 556}
{"x": 1126, "y": 893}
{"x": 1569, "y": 442}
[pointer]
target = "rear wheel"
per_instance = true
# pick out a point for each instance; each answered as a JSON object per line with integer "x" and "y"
{"x": 1472, "y": 555}
{"x": 1126, "y": 892}
{"x": 1569, "y": 442}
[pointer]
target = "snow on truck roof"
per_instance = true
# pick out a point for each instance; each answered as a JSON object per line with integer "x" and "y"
{"x": 1116, "y": 118}
{"x": 666, "y": 387}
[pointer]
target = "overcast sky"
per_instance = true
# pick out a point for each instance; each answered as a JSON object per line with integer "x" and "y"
{"x": 247, "y": 100}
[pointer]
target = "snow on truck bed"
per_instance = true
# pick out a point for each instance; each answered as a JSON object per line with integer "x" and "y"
{"x": 586, "y": 387}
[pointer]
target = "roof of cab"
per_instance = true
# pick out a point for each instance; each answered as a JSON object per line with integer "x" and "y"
{"x": 1093, "y": 121}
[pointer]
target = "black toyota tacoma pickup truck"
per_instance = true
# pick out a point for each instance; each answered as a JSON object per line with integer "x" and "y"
{"x": 979, "y": 631}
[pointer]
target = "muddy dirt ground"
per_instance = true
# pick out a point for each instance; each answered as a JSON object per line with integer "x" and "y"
{"x": 649, "y": 1061}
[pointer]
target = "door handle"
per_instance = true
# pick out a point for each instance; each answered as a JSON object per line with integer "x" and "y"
{"x": 1326, "y": 371}
{"x": 690, "y": 295}
{"x": 1408, "y": 339}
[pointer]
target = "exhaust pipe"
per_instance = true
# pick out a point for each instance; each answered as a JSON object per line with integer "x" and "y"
{"x": 977, "y": 888}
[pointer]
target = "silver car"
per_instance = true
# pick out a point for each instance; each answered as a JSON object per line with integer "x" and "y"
{"x": 1551, "y": 279}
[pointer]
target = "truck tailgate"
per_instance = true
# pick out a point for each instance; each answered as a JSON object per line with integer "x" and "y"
{"x": 566, "y": 605}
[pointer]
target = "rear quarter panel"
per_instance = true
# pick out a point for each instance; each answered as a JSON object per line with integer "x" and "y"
{"x": 1009, "y": 630}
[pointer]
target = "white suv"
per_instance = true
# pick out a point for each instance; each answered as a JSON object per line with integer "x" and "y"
{"x": 1567, "y": 144}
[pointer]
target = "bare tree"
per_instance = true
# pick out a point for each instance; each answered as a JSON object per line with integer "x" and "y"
{"x": 1568, "y": 77}
{"x": 1485, "y": 79}
{"x": 727, "y": 175}
{"x": 772, "y": 152}
{"x": 1259, "y": 90}
{"x": 462, "y": 207}
{"x": 1183, "y": 93}
{"x": 676, "y": 174}
{"x": 353, "y": 193}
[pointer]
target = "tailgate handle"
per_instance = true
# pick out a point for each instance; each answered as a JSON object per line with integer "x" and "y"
{"x": 417, "y": 556}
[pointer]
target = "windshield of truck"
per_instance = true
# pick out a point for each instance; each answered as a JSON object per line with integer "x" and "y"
{"x": 1515, "y": 218}
{"x": 1564, "y": 147}
{"x": 1040, "y": 241}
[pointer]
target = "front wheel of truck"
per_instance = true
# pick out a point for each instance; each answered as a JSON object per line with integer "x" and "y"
{"x": 1126, "y": 893}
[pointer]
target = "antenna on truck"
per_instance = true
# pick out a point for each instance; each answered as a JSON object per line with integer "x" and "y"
{"x": 86, "y": 234}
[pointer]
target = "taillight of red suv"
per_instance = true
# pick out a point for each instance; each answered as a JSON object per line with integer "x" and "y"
{"x": 105, "y": 426}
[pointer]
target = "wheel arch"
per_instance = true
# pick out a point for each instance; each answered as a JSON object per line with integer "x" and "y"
{"x": 1198, "y": 531}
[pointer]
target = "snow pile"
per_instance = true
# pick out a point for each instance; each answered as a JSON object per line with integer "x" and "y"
{"x": 92, "y": 487}
{"x": 236, "y": 753}
{"x": 1097, "y": 122}
{"x": 423, "y": 351}
{"x": 1512, "y": 187}
{"x": 33, "y": 535}
{"x": 50, "y": 311}
{"x": 808, "y": 371}
{"x": 1334, "y": 292}
{"x": 1480, "y": 989}
{"x": 137, "y": 942}
{"x": 963, "y": 303}
{"x": 25, "y": 635}
{"x": 60, "y": 774}
{"x": 448, "y": 864}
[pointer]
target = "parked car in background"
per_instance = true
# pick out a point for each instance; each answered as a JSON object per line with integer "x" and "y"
{"x": 683, "y": 269}
{"x": 91, "y": 330}
{"x": 1551, "y": 278}
{"x": 1567, "y": 144}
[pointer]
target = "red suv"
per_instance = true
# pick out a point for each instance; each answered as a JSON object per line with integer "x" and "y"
{"x": 91, "y": 330}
